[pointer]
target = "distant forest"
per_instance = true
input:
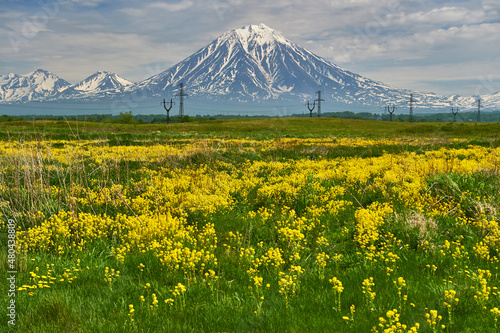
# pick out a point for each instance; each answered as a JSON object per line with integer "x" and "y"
{"x": 129, "y": 118}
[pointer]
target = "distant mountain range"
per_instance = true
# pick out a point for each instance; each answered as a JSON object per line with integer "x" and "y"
{"x": 42, "y": 85}
{"x": 251, "y": 64}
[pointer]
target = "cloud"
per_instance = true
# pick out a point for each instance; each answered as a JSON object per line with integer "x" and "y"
{"x": 386, "y": 37}
{"x": 172, "y": 7}
{"x": 441, "y": 16}
{"x": 134, "y": 12}
{"x": 444, "y": 78}
{"x": 74, "y": 56}
{"x": 87, "y": 3}
{"x": 449, "y": 61}
{"x": 490, "y": 5}
{"x": 155, "y": 9}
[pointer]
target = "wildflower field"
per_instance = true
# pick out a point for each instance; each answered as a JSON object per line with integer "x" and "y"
{"x": 271, "y": 225}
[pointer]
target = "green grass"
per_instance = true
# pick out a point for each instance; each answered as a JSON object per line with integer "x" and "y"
{"x": 266, "y": 128}
{"x": 90, "y": 304}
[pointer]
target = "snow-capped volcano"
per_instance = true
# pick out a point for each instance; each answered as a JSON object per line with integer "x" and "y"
{"x": 36, "y": 85}
{"x": 257, "y": 63}
{"x": 102, "y": 81}
{"x": 251, "y": 63}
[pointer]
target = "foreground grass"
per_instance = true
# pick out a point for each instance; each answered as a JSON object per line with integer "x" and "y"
{"x": 249, "y": 226}
{"x": 266, "y": 128}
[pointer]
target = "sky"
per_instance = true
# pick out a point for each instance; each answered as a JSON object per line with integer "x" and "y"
{"x": 446, "y": 47}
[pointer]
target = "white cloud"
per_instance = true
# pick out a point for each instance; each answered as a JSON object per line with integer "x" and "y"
{"x": 172, "y": 7}
{"x": 441, "y": 16}
{"x": 490, "y": 5}
{"x": 75, "y": 56}
{"x": 387, "y": 37}
{"x": 87, "y": 3}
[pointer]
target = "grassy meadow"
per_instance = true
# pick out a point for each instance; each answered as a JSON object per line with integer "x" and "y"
{"x": 261, "y": 225}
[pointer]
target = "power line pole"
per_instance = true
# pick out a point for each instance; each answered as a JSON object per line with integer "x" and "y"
{"x": 391, "y": 111}
{"x": 311, "y": 108}
{"x": 181, "y": 94}
{"x": 478, "y": 109}
{"x": 167, "y": 109}
{"x": 411, "y": 108}
{"x": 454, "y": 114}
{"x": 319, "y": 103}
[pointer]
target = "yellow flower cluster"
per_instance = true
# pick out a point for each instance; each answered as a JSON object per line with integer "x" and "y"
{"x": 482, "y": 289}
{"x": 289, "y": 283}
{"x": 450, "y": 299}
{"x": 368, "y": 292}
{"x": 433, "y": 320}
{"x": 131, "y": 311}
{"x": 338, "y": 288}
{"x": 393, "y": 325}
{"x": 179, "y": 293}
{"x": 496, "y": 313}
{"x": 321, "y": 259}
{"x": 368, "y": 222}
{"x": 110, "y": 276}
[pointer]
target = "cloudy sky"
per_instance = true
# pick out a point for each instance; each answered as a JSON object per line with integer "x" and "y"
{"x": 446, "y": 47}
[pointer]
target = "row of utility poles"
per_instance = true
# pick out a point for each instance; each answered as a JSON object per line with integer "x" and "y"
{"x": 392, "y": 108}
{"x": 389, "y": 108}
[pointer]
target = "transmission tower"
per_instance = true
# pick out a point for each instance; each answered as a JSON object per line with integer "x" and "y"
{"x": 455, "y": 112}
{"x": 478, "y": 110}
{"x": 181, "y": 95}
{"x": 167, "y": 109}
{"x": 411, "y": 107}
{"x": 319, "y": 103}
